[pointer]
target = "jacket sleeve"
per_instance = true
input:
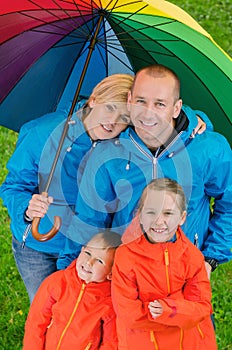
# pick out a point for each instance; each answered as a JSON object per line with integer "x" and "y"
{"x": 195, "y": 305}
{"x": 218, "y": 184}
{"x": 22, "y": 179}
{"x": 40, "y": 316}
{"x": 109, "y": 338}
{"x": 131, "y": 311}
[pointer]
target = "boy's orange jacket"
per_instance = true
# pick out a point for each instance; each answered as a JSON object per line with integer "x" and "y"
{"x": 174, "y": 274}
{"x": 67, "y": 314}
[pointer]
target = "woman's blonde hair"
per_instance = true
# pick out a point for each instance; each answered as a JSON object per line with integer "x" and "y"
{"x": 168, "y": 185}
{"x": 113, "y": 88}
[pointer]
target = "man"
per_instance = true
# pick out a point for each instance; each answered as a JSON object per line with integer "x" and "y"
{"x": 159, "y": 145}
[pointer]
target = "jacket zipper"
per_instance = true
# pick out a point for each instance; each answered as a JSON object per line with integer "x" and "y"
{"x": 72, "y": 316}
{"x": 153, "y": 340}
{"x": 166, "y": 261}
{"x": 154, "y": 158}
{"x": 200, "y": 331}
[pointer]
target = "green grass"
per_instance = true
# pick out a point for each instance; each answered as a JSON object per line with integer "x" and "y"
{"x": 216, "y": 18}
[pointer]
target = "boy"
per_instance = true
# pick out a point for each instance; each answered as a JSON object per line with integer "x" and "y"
{"x": 72, "y": 308}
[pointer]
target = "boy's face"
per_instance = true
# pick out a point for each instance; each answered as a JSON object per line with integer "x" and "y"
{"x": 94, "y": 264}
{"x": 160, "y": 216}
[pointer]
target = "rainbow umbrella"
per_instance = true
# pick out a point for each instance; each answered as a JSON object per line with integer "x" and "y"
{"x": 53, "y": 52}
{"x": 50, "y": 48}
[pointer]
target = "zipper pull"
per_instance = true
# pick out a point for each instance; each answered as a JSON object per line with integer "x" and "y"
{"x": 196, "y": 243}
{"x": 166, "y": 257}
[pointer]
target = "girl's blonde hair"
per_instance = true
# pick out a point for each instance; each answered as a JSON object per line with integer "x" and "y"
{"x": 168, "y": 185}
{"x": 113, "y": 88}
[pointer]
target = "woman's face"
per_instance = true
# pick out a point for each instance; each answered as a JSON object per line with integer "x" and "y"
{"x": 160, "y": 215}
{"x": 106, "y": 120}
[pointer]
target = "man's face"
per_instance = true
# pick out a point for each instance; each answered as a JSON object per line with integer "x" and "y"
{"x": 153, "y": 108}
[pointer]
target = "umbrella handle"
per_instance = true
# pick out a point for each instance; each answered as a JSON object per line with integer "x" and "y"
{"x": 35, "y": 225}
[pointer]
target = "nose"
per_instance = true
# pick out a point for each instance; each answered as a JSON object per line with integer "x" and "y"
{"x": 114, "y": 118}
{"x": 148, "y": 111}
{"x": 90, "y": 262}
{"x": 159, "y": 220}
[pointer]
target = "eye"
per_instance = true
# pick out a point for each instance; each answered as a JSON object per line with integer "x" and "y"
{"x": 160, "y": 104}
{"x": 109, "y": 107}
{"x": 125, "y": 119}
{"x": 150, "y": 212}
{"x": 100, "y": 261}
{"x": 87, "y": 252}
{"x": 168, "y": 213}
{"x": 140, "y": 101}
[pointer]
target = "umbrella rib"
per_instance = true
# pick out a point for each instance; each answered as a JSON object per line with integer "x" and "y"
{"x": 141, "y": 28}
{"x": 55, "y": 16}
{"x": 88, "y": 7}
{"x": 73, "y": 18}
{"x": 49, "y": 23}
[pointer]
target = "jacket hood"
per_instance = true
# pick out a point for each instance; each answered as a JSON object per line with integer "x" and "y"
{"x": 136, "y": 241}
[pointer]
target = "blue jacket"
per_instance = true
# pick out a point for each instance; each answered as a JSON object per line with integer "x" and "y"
{"x": 29, "y": 168}
{"x": 118, "y": 170}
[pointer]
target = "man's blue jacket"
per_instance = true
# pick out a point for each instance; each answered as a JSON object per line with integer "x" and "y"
{"x": 118, "y": 170}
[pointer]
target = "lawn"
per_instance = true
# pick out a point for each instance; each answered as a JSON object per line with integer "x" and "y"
{"x": 216, "y": 18}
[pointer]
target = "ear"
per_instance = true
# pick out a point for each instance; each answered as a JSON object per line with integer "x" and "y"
{"x": 129, "y": 101}
{"x": 177, "y": 108}
{"x": 109, "y": 276}
{"x": 183, "y": 218}
{"x": 92, "y": 101}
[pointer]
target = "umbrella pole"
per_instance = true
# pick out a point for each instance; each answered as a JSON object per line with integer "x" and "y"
{"x": 57, "y": 219}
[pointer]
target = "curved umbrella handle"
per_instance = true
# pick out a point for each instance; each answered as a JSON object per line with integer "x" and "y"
{"x": 45, "y": 237}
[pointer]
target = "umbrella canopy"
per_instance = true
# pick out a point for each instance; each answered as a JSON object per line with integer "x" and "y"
{"x": 48, "y": 47}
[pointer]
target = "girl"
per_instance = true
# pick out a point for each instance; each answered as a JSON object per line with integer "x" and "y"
{"x": 160, "y": 289}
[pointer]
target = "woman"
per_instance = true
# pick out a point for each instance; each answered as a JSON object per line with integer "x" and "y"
{"x": 104, "y": 116}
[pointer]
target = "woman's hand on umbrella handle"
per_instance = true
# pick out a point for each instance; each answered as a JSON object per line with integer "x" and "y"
{"x": 38, "y": 205}
{"x": 200, "y": 128}
{"x": 37, "y": 208}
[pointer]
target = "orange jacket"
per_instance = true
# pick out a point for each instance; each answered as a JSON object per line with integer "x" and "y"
{"x": 174, "y": 274}
{"x": 67, "y": 314}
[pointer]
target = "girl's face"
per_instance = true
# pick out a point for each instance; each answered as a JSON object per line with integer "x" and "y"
{"x": 161, "y": 215}
{"x": 106, "y": 120}
{"x": 94, "y": 264}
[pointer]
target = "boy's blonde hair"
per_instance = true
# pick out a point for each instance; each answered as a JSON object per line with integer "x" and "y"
{"x": 106, "y": 239}
{"x": 168, "y": 185}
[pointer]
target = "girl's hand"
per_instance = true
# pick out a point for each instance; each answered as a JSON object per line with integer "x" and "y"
{"x": 38, "y": 206}
{"x": 155, "y": 308}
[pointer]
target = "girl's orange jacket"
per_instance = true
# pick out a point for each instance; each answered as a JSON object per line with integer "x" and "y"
{"x": 67, "y": 314}
{"x": 174, "y": 274}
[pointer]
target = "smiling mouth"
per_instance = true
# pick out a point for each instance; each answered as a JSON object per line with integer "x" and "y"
{"x": 106, "y": 127}
{"x": 159, "y": 230}
{"x": 148, "y": 124}
{"x": 84, "y": 270}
